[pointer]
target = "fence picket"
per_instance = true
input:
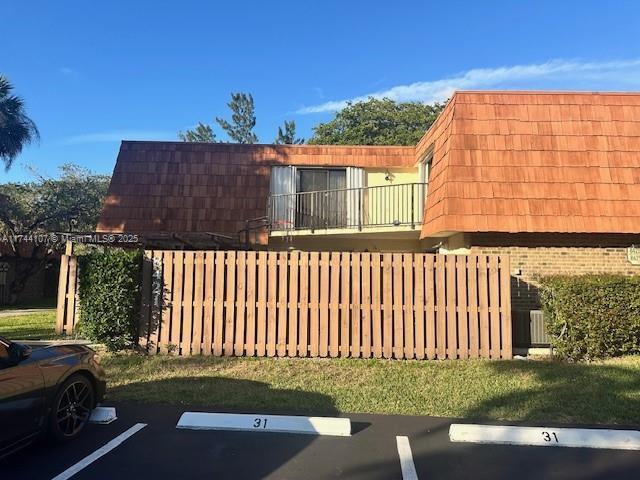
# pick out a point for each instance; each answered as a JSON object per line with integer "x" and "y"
{"x": 166, "y": 257}
{"x": 494, "y": 306}
{"x": 198, "y": 304}
{"x": 334, "y": 306}
{"x": 431, "y": 307}
{"x": 451, "y": 319}
{"x": 71, "y": 296}
{"x": 323, "y": 339}
{"x": 145, "y": 334}
{"x": 441, "y": 311}
{"x": 303, "y": 333}
{"x": 418, "y": 305}
{"x": 294, "y": 265}
{"x": 463, "y": 326}
{"x": 366, "y": 304}
{"x": 241, "y": 296}
{"x": 345, "y": 301}
{"x": 505, "y": 306}
{"x": 176, "y": 311}
{"x": 408, "y": 306}
{"x": 207, "y": 320}
{"x": 230, "y": 302}
{"x": 283, "y": 283}
{"x": 251, "y": 304}
{"x": 398, "y": 321}
{"x": 376, "y": 306}
{"x": 218, "y": 302}
{"x": 63, "y": 284}
{"x": 187, "y": 304}
{"x": 261, "y": 347}
{"x": 387, "y": 304}
{"x": 356, "y": 306}
{"x": 272, "y": 303}
{"x": 474, "y": 321}
{"x": 483, "y": 296}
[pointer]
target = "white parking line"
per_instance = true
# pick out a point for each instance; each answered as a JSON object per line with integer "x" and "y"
{"x": 89, "y": 459}
{"x": 256, "y": 422}
{"x": 406, "y": 459}
{"x": 546, "y": 436}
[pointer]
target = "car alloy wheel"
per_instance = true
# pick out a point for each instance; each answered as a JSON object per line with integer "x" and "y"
{"x": 75, "y": 402}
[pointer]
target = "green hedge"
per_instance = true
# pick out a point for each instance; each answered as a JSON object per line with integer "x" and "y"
{"x": 592, "y": 316}
{"x": 109, "y": 286}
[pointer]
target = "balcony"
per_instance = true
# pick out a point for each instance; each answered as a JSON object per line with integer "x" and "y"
{"x": 383, "y": 208}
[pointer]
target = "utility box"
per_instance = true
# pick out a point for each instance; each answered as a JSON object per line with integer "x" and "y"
{"x": 528, "y": 329}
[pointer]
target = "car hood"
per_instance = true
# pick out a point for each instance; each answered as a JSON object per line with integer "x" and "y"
{"x": 59, "y": 351}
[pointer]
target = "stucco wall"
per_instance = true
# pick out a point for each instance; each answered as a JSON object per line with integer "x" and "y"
{"x": 384, "y": 205}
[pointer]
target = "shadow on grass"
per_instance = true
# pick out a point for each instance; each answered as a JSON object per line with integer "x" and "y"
{"x": 224, "y": 394}
{"x": 569, "y": 393}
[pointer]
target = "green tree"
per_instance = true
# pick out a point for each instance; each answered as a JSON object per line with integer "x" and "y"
{"x": 377, "y": 122}
{"x": 202, "y": 133}
{"x": 30, "y": 211}
{"x": 288, "y": 136}
{"x": 243, "y": 119}
{"x": 16, "y": 128}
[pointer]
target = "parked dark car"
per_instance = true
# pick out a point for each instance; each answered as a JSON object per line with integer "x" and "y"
{"x": 50, "y": 390}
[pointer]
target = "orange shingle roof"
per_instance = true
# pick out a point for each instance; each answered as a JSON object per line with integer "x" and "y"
{"x": 208, "y": 187}
{"x": 535, "y": 162}
{"x": 502, "y": 162}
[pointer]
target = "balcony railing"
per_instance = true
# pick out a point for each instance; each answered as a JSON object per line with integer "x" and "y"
{"x": 357, "y": 208}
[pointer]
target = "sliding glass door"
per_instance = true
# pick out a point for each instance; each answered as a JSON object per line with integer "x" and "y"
{"x": 321, "y": 199}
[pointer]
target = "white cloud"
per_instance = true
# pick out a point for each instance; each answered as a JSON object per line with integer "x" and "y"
{"x": 119, "y": 135}
{"x": 559, "y": 74}
{"x": 68, "y": 72}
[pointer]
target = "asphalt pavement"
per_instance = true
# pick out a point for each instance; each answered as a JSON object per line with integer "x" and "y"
{"x": 159, "y": 451}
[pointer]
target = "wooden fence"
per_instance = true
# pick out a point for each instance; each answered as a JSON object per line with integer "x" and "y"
{"x": 324, "y": 304}
{"x": 67, "y": 312}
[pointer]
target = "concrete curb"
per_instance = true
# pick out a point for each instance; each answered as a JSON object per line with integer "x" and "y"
{"x": 266, "y": 423}
{"x": 546, "y": 436}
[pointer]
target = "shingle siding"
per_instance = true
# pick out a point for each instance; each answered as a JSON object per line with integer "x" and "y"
{"x": 502, "y": 162}
{"x": 536, "y": 162}
{"x": 190, "y": 187}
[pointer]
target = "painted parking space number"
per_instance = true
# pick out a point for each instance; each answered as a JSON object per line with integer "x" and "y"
{"x": 260, "y": 423}
{"x": 550, "y": 437}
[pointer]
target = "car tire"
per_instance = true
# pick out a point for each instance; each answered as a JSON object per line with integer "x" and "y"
{"x": 71, "y": 408}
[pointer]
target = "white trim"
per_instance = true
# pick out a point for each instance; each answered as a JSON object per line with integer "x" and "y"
{"x": 546, "y": 436}
{"x": 89, "y": 459}
{"x": 355, "y": 180}
{"x": 257, "y": 422}
{"x": 406, "y": 459}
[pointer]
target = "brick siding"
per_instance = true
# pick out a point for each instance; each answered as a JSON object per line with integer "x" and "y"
{"x": 532, "y": 258}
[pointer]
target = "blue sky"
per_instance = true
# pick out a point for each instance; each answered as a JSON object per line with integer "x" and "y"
{"x": 94, "y": 73}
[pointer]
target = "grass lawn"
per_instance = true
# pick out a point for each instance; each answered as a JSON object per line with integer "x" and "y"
{"x": 539, "y": 390}
{"x": 32, "y": 326}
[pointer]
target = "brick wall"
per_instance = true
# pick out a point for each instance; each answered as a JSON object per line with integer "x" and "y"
{"x": 533, "y": 256}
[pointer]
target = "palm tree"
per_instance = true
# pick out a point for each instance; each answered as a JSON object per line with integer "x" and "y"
{"x": 16, "y": 128}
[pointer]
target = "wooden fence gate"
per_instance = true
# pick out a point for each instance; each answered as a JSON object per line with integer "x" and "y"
{"x": 324, "y": 304}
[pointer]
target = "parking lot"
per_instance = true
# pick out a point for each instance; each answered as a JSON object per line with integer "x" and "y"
{"x": 159, "y": 450}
